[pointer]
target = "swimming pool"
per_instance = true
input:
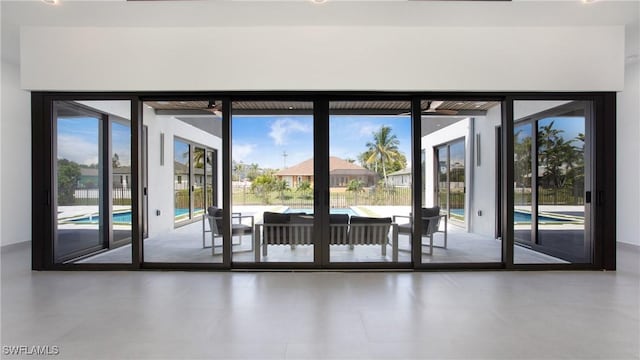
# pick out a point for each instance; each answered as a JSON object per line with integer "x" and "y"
{"x": 523, "y": 217}
{"x": 122, "y": 218}
{"x": 347, "y": 211}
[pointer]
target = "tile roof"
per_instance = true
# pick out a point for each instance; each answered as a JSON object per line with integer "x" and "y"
{"x": 336, "y": 165}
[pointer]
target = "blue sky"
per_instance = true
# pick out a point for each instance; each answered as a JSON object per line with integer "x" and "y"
{"x": 263, "y": 139}
{"x": 78, "y": 140}
{"x": 571, "y": 127}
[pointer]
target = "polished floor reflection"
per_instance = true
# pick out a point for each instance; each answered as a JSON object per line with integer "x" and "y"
{"x": 335, "y": 315}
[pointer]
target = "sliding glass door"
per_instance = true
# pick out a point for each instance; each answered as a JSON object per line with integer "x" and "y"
{"x": 184, "y": 182}
{"x": 325, "y": 182}
{"x": 273, "y": 182}
{"x": 552, "y": 182}
{"x": 450, "y": 187}
{"x": 92, "y": 182}
{"x": 370, "y": 182}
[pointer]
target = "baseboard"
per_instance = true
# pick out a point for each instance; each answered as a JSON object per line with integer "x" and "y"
{"x": 628, "y": 247}
{"x": 16, "y": 246}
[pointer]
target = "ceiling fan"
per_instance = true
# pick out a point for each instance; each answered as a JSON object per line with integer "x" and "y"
{"x": 432, "y": 109}
{"x": 216, "y": 109}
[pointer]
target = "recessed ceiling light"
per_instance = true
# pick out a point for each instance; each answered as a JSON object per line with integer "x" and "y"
{"x": 291, "y": 107}
{"x": 318, "y": 1}
{"x": 51, "y": 2}
{"x": 163, "y": 102}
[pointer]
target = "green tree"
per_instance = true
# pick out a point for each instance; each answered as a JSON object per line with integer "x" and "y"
{"x": 115, "y": 160}
{"x": 198, "y": 158}
{"x": 400, "y": 163}
{"x": 522, "y": 162}
{"x": 355, "y": 186}
{"x": 382, "y": 153}
{"x": 252, "y": 171}
{"x": 555, "y": 156}
{"x": 281, "y": 186}
{"x": 304, "y": 189}
{"x": 577, "y": 167}
{"x": 263, "y": 185}
{"x": 303, "y": 186}
{"x": 68, "y": 178}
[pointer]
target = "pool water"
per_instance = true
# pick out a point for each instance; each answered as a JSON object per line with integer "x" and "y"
{"x": 123, "y": 218}
{"x": 521, "y": 217}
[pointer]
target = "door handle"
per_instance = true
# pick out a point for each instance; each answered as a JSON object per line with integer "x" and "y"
{"x": 587, "y": 197}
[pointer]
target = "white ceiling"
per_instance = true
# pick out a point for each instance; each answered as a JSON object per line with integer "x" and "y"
{"x": 202, "y": 13}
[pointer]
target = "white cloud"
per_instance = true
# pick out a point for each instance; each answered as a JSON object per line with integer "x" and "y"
{"x": 282, "y": 128}
{"x": 242, "y": 151}
{"x": 366, "y": 129}
{"x": 77, "y": 149}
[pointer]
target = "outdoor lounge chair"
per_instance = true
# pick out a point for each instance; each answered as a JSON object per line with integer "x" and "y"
{"x": 283, "y": 229}
{"x": 373, "y": 231}
{"x": 213, "y": 217}
{"x": 339, "y": 229}
{"x": 430, "y": 225}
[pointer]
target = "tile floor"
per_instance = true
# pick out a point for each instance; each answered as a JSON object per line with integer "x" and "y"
{"x": 323, "y": 315}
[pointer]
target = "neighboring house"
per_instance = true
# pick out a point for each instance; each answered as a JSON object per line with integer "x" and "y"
{"x": 400, "y": 178}
{"x": 340, "y": 173}
{"x": 89, "y": 178}
{"x": 180, "y": 176}
{"x": 122, "y": 177}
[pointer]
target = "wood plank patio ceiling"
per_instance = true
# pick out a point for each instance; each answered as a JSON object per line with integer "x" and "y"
{"x": 365, "y": 106}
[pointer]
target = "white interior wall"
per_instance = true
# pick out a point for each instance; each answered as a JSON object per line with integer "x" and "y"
{"x": 627, "y": 159}
{"x": 455, "y": 131}
{"x": 483, "y": 195}
{"x": 15, "y": 154}
{"x": 161, "y": 177}
{"x": 480, "y": 180}
{"x": 304, "y": 58}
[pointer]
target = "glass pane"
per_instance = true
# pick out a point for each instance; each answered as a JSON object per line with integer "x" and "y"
{"x": 79, "y": 185}
{"x": 209, "y": 182}
{"x": 442, "y": 174}
{"x": 522, "y": 160}
{"x": 370, "y": 181}
{"x": 557, "y": 210}
{"x": 93, "y": 214}
{"x": 272, "y": 146}
{"x": 181, "y": 183}
{"x": 198, "y": 181}
{"x": 121, "y": 181}
{"x": 456, "y": 181}
{"x": 184, "y": 225}
{"x": 561, "y": 188}
{"x": 459, "y": 211}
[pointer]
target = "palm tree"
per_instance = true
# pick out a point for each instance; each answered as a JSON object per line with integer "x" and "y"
{"x": 356, "y": 186}
{"x": 382, "y": 151}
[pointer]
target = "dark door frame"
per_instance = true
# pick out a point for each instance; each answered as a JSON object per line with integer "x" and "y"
{"x": 603, "y": 155}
